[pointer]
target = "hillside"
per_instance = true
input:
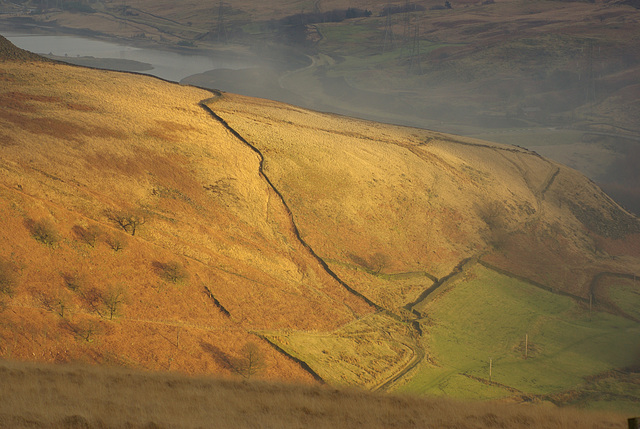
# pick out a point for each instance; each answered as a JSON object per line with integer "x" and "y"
{"x": 557, "y": 77}
{"x": 158, "y": 226}
{"x": 73, "y": 396}
{"x": 215, "y": 254}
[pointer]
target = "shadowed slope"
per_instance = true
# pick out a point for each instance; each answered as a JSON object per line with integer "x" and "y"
{"x": 76, "y": 396}
{"x": 8, "y": 52}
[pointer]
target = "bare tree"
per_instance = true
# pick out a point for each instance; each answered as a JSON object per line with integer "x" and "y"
{"x": 127, "y": 220}
{"x": 7, "y": 279}
{"x": 251, "y": 360}
{"x": 44, "y": 231}
{"x": 89, "y": 235}
{"x": 87, "y": 329}
{"x": 92, "y": 297}
{"x": 378, "y": 261}
{"x": 73, "y": 281}
{"x": 59, "y": 302}
{"x": 116, "y": 242}
{"x": 494, "y": 214}
{"x": 172, "y": 271}
{"x": 113, "y": 298}
{"x": 7, "y": 283}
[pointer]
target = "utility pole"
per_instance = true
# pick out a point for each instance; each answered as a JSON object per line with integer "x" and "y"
{"x": 490, "y": 367}
{"x": 222, "y": 30}
{"x": 590, "y": 93}
{"x": 407, "y": 26}
{"x": 388, "y": 33}
{"x": 415, "y": 52}
{"x": 526, "y": 346}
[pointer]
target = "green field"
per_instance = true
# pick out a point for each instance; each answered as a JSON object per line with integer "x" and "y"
{"x": 625, "y": 293}
{"x": 365, "y": 353}
{"x": 361, "y": 46}
{"x": 486, "y": 317}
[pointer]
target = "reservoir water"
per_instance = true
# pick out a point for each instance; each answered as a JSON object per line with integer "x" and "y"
{"x": 167, "y": 65}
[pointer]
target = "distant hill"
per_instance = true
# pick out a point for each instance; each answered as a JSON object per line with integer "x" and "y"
{"x": 9, "y": 52}
{"x": 634, "y": 3}
{"x": 165, "y": 227}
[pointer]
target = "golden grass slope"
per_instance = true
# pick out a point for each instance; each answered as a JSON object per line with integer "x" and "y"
{"x": 88, "y": 397}
{"x": 80, "y": 146}
{"x": 383, "y": 200}
{"x": 396, "y": 212}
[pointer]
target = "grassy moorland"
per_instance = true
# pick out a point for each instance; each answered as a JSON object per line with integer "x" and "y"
{"x": 89, "y": 397}
{"x": 81, "y": 166}
{"x": 163, "y": 227}
{"x": 444, "y": 193}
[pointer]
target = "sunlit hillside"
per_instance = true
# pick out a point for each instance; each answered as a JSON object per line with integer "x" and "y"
{"x": 410, "y": 218}
{"x": 558, "y": 77}
{"x": 152, "y": 225}
{"x": 215, "y": 255}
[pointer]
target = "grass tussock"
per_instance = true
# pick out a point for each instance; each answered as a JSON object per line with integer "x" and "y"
{"x": 36, "y": 395}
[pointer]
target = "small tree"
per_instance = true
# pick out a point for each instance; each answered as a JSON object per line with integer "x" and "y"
{"x": 378, "y": 261}
{"x": 251, "y": 360}
{"x": 173, "y": 272}
{"x": 87, "y": 329}
{"x": 7, "y": 283}
{"x": 7, "y": 279}
{"x": 113, "y": 298}
{"x": 494, "y": 214}
{"x": 92, "y": 297}
{"x": 89, "y": 235}
{"x": 62, "y": 305}
{"x": 116, "y": 242}
{"x": 73, "y": 282}
{"x": 58, "y": 303}
{"x": 127, "y": 220}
